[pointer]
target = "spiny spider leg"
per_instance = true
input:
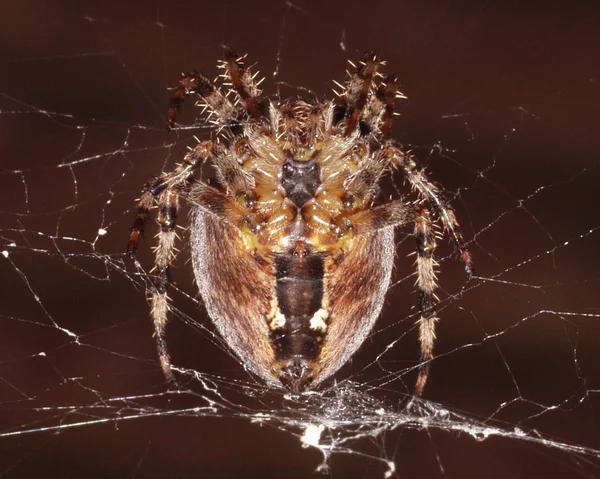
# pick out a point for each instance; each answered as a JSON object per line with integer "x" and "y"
{"x": 164, "y": 254}
{"x": 357, "y": 89}
{"x": 243, "y": 83}
{"x": 152, "y": 189}
{"x": 426, "y": 284}
{"x": 419, "y": 181}
{"x": 165, "y": 191}
{"x": 188, "y": 84}
{"x": 394, "y": 214}
{"x": 369, "y": 101}
{"x": 194, "y": 82}
{"x": 425, "y": 236}
{"x": 145, "y": 202}
{"x": 383, "y": 106}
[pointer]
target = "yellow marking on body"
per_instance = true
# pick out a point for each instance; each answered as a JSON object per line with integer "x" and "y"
{"x": 278, "y": 321}
{"x": 276, "y": 318}
{"x": 317, "y": 322}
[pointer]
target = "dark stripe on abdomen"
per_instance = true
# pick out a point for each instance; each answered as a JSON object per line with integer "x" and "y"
{"x": 299, "y": 294}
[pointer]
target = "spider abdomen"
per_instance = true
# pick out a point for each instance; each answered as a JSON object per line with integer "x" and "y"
{"x": 297, "y": 321}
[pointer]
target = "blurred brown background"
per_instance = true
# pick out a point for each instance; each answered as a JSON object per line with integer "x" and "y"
{"x": 503, "y": 108}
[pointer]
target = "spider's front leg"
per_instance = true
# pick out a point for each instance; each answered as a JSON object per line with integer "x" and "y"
{"x": 164, "y": 190}
{"x": 188, "y": 84}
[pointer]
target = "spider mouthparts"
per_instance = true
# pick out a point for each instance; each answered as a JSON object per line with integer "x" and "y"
{"x": 296, "y": 375}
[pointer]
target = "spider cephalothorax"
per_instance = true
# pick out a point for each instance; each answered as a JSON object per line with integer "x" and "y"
{"x": 291, "y": 247}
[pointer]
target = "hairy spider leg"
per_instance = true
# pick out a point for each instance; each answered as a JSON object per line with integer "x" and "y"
{"x": 357, "y": 89}
{"x": 426, "y": 284}
{"x": 380, "y": 108}
{"x": 368, "y": 98}
{"x": 425, "y": 237}
{"x": 194, "y": 82}
{"x": 243, "y": 83}
{"x": 164, "y": 190}
{"x": 428, "y": 191}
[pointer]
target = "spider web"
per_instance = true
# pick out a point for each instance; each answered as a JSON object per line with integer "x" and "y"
{"x": 503, "y": 110}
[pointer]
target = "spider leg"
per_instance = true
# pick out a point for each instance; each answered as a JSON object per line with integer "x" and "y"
{"x": 145, "y": 202}
{"x": 426, "y": 284}
{"x": 152, "y": 189}
{"x": 356, "y": 89}
{"x": 427, "y": 190}
{"x": 165, "y": 191}
{"x": 425, "y": 236}
{"x": 243, "y": 83}
{"x": 164, "y": 254}
{"x": 365, "y": 180}
{"x": 396, "y": 213}
{"x": 194, "y": 82}
{"x": 379, "y": 110}
{"x": 186, "y": 85}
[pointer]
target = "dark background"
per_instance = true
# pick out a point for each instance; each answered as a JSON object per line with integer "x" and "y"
{"x": 503, "y": 108}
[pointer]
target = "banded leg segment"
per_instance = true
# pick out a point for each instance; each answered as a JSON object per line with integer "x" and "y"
{"x": 369, "y": 98}
{"x": 152, "y": 190}
{"x": 358, "y": 87}
{"x": 380, "y": 108}
{"x": 426, "y": 284}
{"x": 243, "y": 83}
{"x": 425, "y": 236}
{"x": 164, "y": 253}
{"x": 145, "y": 203}
{"x": 194, "y": 82}
{"x": 395, "y": 214}
{"x": 427, "y": 190}
{"x": 164, "y": 190}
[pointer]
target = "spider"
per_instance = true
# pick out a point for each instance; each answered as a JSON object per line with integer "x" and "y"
{"x": 291, "y": 246}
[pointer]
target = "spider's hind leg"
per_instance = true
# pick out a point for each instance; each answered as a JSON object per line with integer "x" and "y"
{"x": 429, "y": 192}
{"x": 425, "y": 235}
{"x": 145, "y": 203}
{"x": 165, "y": 191}
{"x": 379, "y": 110}
{"x": 426, "y": 284}
{"x": 164, "y": 253}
